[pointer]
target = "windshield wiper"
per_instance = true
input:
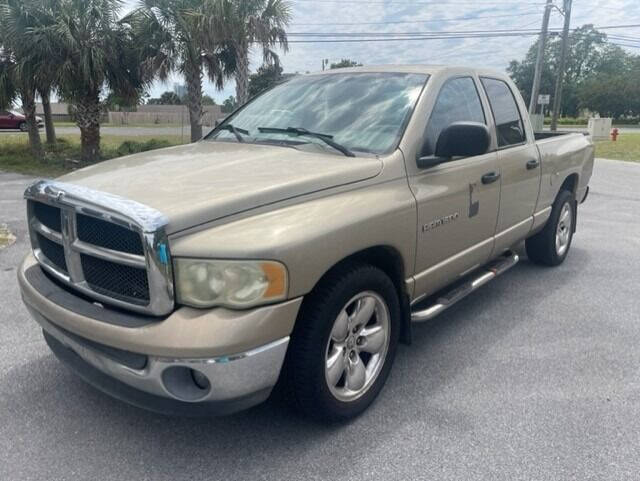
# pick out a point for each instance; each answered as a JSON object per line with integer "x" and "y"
{"x": 235, "y": 131}
{"x": 326, "y": 138}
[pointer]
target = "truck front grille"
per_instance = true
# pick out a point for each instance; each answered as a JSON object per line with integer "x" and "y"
{"x": 108, "y": 235}
{"x": 53, "y": 251}
{"x": 48, "y": 215}
{"x": 102, "y": 246}
{"x": 122, "y": 282}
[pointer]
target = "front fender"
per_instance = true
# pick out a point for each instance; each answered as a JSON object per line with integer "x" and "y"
{"x": 313, "y": 236}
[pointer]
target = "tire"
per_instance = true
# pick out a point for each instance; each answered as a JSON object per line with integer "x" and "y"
{"x": 317, "y": 344}
{"x": 23, "y": 127}
{"x": 551, "y": 245}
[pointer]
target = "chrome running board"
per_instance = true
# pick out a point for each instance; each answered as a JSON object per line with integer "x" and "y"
{"x": 434, "y": 305}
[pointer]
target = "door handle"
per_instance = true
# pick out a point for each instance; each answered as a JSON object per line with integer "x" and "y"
{"x": 533, "y": 164}
{"x": 490, "y": 178}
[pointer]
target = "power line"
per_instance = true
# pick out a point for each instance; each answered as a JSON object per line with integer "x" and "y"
{"x": 400, "y": 22}
{"x": 447, "y": 32}
{"x": 353, "y": 37}
{"x": 410, "y": 3}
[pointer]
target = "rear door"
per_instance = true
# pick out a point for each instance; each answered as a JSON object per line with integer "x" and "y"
{"x": 519, "y": 163}
{"x": 456, "y": 211}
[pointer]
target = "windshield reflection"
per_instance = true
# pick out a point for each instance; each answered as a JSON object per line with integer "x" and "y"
{"x": 365, "y": 112}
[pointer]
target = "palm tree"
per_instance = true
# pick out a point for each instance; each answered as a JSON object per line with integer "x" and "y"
{"x": 20, "y": 69}
{"x": 93, "y": 51}
{"x": 44, "y": 12}
{"x": 253, "y": 21}
{"x": 175, "y": 35}
{"x": 8, "y": 89}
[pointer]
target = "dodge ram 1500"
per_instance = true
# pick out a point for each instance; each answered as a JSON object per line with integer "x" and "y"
{"x": 298, "y": 241}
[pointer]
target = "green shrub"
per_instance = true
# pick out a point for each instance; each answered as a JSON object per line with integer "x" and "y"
{"x": 129, "y": 147}
{"x": 568, "y": 121}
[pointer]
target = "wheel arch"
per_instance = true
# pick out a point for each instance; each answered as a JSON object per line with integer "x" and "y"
{"x": 571, "y": 183}
{"x": 389, "y": 260}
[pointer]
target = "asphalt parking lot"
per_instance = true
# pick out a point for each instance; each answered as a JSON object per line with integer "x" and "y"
{"x": 534, "y": 377}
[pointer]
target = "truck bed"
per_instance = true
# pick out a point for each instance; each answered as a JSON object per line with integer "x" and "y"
{"x": 549, "y": 134}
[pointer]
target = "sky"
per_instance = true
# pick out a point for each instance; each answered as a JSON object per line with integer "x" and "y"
{"x": 403, "y": 16}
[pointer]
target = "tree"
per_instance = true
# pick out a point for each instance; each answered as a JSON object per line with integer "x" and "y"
{"x": 589, "y": 52}
{"x": 44, "y": 12}
{"x": 208, "y": 100}
{"x": 245, "y": 22}
{"x": 345, "y": 63}
{"x": 266, "y": 77}
{"x": 114, "y": 102}
{"x": 182, "y": 35}
{"x": 229, "y": 105}
{"x": 8, "y": 89}
{"x": 21, "y": 67}
{"x": 613, "y": 94}
{"x": 93, "y": 52}
{"x": 167, "y": 98}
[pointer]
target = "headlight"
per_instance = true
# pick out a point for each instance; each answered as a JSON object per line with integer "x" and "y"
{"x": 235, "y": 284}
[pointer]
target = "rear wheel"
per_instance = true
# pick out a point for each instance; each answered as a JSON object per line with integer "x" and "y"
{"x": 23, "y": 127}
{"x": 344, "y": 344}
{"x": 551, "y": 245}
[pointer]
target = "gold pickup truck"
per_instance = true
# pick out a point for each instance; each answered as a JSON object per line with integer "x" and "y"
{"x": 296, "y": 244}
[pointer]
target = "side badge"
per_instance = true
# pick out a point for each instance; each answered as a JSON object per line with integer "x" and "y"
{"x": 474, "y": 207}
{"x": 163, "y": 256}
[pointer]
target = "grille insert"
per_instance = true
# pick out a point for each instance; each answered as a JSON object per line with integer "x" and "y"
{"x": 53, "y": 251}
{"x": 108, "y": 235}
{"x": 122, "y": 282}
{"x": 48, "y": 215}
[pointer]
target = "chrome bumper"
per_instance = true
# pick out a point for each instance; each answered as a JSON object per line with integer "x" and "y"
{"x": 228, "y": 378}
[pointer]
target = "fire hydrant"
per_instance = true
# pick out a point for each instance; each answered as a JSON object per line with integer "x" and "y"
{"x": 614, "y": 134}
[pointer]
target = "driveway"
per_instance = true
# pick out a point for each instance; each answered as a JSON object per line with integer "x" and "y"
{"x": 534, "y": 377}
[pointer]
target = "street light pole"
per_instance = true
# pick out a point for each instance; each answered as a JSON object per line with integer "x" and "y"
{"x": 557, "y": 97}
{"x": 535, "y": 91}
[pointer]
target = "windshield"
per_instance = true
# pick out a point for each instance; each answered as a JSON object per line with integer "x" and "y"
{"x": 362, "y": 112}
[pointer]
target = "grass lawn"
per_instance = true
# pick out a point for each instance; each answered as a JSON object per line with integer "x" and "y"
{"x": 16, "y": 157}
{"x": 626, "y": 148}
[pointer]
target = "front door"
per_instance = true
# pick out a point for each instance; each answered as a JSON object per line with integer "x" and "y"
{"x": 457, "y": 212}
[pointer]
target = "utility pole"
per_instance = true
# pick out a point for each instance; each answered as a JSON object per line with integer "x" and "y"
{"x": 535, "y": 91}
{"x": 557, "y": 97}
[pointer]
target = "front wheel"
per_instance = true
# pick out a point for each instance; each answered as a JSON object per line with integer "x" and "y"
{"x": 344, "y": 344}
{"x": 551, "y": 245}
{"x": 23, "y": 127}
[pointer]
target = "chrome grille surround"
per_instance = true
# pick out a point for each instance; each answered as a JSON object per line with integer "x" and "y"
{"x": 148, "y": 222}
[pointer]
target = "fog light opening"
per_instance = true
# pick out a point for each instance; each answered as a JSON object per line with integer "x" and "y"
{"x": 186, "y": 384}
{"x": 200, "y": 380}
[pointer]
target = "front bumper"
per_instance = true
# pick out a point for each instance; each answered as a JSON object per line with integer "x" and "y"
{"x": 160, "y": 372}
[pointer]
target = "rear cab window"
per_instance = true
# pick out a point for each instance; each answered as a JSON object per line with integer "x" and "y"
{"x": 509, "y": 126}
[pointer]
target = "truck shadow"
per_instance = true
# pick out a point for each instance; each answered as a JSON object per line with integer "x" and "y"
{"x": 71, "y": 415}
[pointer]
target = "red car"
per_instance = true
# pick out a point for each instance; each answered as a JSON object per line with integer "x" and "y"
{"x": 15, "y": 120}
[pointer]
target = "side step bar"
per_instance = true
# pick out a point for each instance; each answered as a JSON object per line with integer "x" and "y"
{"x": 431, "y": 307}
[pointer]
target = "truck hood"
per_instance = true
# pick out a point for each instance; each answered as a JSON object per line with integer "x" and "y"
{"x": 206, "y": 181}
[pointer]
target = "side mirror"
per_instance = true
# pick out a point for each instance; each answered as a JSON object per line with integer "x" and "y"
{"x": 463, "y": 139}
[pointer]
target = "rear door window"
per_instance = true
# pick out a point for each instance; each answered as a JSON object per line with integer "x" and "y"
{"x": 458, "y": 101}
{"x": 509, "y": 126}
